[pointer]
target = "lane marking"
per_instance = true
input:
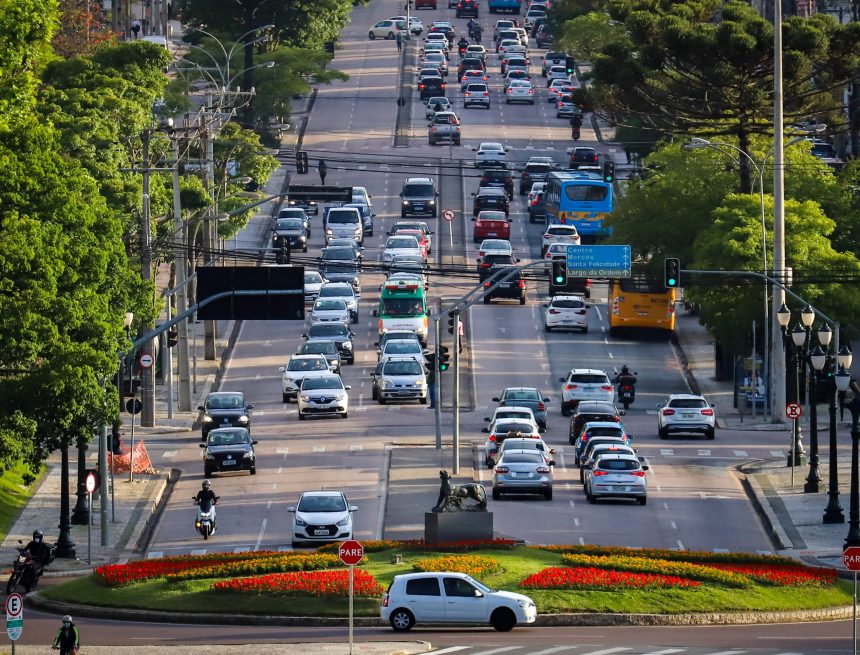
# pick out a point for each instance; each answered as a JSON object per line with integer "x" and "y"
{"x": 740, "y": 453}
{"x": 576, "y": 522}
{"x": 667, "y": 452}
{"x": 704, "y": 452}
{"x": 318, "y": 449}
{"x": 168, "y": 454}
{"x": 680, "y": 545}
{"x": 777, "y": 453}
{"x": 674, "y": 525}
{"x": 155, "y": 554}
{"x": 260, "y": 536}
{"x": 198, "y": 551}
{"x": 606, "y": 651}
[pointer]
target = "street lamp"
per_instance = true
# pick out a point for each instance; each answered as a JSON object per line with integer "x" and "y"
{"x": 833, "y": 512}
{"x": 818, "y": 358}
{"x": 797, "y": 337}
{"x": 844, "y": 382}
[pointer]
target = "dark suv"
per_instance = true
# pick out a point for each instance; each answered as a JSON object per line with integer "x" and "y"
{"x": 290, "y": 233}
{"x": 489, "y": 262}
{"x": 333, "y": 331}
{"x": 432, "y": 86}
{"x": 533, "y": 172}
{"x": 513, "y": 287}
{"x": 491, "y": 198}
{"x": 470, "y": 64}
{"x": 543, "y": 36}
{"x": 498, "y": 177}
{"x": 467, "y": 8}
{"x": 225, "y": 409}
{"x": 418, "y": 196}
{"x": 591, "y": 411}
{"x": 581, "y": 156}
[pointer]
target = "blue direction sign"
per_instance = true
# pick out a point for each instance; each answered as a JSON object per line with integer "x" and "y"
{"x": 598, "y": 261}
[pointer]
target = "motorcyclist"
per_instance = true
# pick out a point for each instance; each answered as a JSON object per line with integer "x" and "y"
{"x": 624, "y": 377}
{"x": 206, "y": 498}
{"x": 471, "y": 25}
{"x": 39, "y": 551}
{"x": 67, "y": 640}
{"x": 462, "y": 44}
{"x": 575, "y": 124}
{"x": 476, "y": 33}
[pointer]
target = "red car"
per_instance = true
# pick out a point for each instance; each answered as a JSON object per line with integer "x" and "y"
{"x": 421, "y": 4}
{"x": 491, "y": 225}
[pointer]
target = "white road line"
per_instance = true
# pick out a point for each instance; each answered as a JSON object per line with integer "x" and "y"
{"x": 704, "y": 452}
{"x": 740, "y": 453}
{"x": 611, "y": 356}
{"x": 198, "y": 551}
{"x": 283, "y": 549}
{"x": 274, "y": 486}
{"x": 728, "y": 652}
{"x": 581, "y": 541}
{"x": 557, "y": 649}
{"x": 764, "y": 552}
{"x": 260, "y": 536}
{"x": 777, "y": 453}
{"x": 666, "y": 651}
{"x": 155, "y": 554}
{"x": 168, "y": 453}
{"x": 680, "y": 545}
{"x": 597, "y": 311}
{"x": 563, "y": 465}
{"x": 269, "y": 505}
{"x": 606, "y": 651}
{"x": 451, "y": 649}
{"x": 667, "y": 452}
{"x": 280, "y": 470}
{"x": 242, "y": 549}
{"x": 318, "y": 449}
{"x": 674, "y": 525}
{"x": 572, "y": 504}
{"x": 282, "y": 451}
{"x": 576, "y": 522}
{"x": 356, "y": 447}
{"x": 721, "y": 550}
{"x": 665, "y": 505}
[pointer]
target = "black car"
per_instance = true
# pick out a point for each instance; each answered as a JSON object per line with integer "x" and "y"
{"x": 589, "y": 411}
{"x": 290, "y": 232}
{"x": 467, "y": 8}
{"x": 327, "y": 348}
{"x": 489, "y": 262}
{"x": 229, "y": 449}
{"x": 470, "y": 64}
{"x": 340, "y": 264}
{"x": 582, "y": 156}
{"x": 491, "y": 198}
{"x": 543, "y": 36}
{"x": 224, "y": 409}
{"x": 533, "y": 172}
{"x": 499, "y": 177}
{"x": 431, "y": 87}
{"x": 333, "y": 331}
{"x": 512, "y": 287}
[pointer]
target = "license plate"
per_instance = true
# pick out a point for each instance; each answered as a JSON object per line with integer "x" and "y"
{"x": 229, "y": 462}
{"x": 688, "y": 415}
{"x": 321, "y": 533}
{"x": 491, "y": 234}
{"x": 520, "y": 475}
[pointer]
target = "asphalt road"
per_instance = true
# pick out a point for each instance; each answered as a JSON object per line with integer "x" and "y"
{"x": 696, "y": 501}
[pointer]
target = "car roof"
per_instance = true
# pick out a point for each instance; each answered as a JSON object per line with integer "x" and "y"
{"x": 226, "y": 393}
{"x": 686, "y": 396}
{"x": 322, "y": 493}
{"x": 620, "y": 456}
{"x": 602, "y": 424}
{"x": 450, "y": 574}
{"x": 418, "y": 180}
{"x": 596, "y": 371}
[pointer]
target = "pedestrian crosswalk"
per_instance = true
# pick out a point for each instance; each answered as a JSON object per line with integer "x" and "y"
{"x": 596, "y": 649}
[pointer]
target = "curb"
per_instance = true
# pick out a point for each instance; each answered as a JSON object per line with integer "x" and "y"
{"x": 546, "y": 620}
{"x": 756, "y": 494}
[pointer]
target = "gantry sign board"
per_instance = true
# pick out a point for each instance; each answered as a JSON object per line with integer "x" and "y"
{"x": 264, "y": 307}
{"x": 598, "y": 261}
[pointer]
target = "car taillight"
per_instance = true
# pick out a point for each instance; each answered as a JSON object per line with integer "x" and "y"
{"x": 510, "y": 90}
{"x": 542, "y": 469}
{"x": 522, "y": 285}
{"x": 638, "y": 474}
{"x": 598, "y": 473}
{"x": 422, "y": 86}
{"x": 554, "y": 311}
{"x": 707, "y": 412}
{"x": 487, "y": 285}
{"x": 541, "y": 407}
{"x": 442, "y": 86}
{"x": 668, "y": 412}
{"x": 531, "y": 90}
{"x": 492, "y": 438}
{"x": 606, "y": 387}
{"x": 570, "y": 387}
{"x": 385, "y": 601}
{"x": 502, "y": 469}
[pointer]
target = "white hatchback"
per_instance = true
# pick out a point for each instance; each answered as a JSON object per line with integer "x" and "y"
{"x": 557, "y": 233}
{"x": 684, "y": 412}
{"x": 330, "y": 309}
{"x": 566, "y": 313}
{"x": 584, "y": 384}
{"x": 495, "y": 247}
{"x": 323, "y": 394}
{"x": 321, "y": 516}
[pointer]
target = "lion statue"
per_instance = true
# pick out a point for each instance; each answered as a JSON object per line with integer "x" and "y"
{"x": 451, "y": 496}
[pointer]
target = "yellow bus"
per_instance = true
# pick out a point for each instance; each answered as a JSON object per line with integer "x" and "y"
{"x": 642, "y": 303}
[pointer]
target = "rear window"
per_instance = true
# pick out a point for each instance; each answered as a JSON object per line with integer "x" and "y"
{"x": 568, "y": 304}
{"x": 538, "y": 168}
{"x": 605, "y": 432}
{"x": 589, "y": 378}
{"x": 618, "y": 465}
{"x": 590, "y": 192}
{"x": 514, "y": 427}
{"x": 522, "y": 458}
{"x": 423, "y": 587}
{"x": 688, "y": 403}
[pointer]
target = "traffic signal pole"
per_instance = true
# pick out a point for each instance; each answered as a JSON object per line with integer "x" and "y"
{"x": 437, "y": 386}
{"x": 456, "y": 430}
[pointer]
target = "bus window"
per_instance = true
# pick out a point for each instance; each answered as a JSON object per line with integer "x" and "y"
{"x": 586, "y": 192}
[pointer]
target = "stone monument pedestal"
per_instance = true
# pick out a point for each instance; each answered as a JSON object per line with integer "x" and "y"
{"x": 458, "y": 526}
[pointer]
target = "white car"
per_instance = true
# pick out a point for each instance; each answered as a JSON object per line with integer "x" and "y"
{"x": 297, "y": 369}
{"x": 502, "y": 429}
{"x": 400, "y": 378}
{"x": 684, "y": 412}
{"x": 534, "y": 14}
{"x": 452, "y": 598}
{"x": 386, "y": 29}
{"x": 568, "y": 312}
{"x": 490, "y": 153}
{"x": 441, "y": 101}
{"x": 495, "y": 247}
{"x": 524, "y": 36}
{"x": 554, "y": 88}
{"x": 401, "y": 348}
{"x": 330, "y": 309}
{"x": 345, "y": 292}
{"x": 416, "y": 27}
{"x": 321, "y": 516}
{"x": 585, "y": 384}
{"x": 361, "y": 196}
{"x": 313, "y": 281}
{"x": 437, "y": 37}
{"x": 323, "y": 394}
{"x": 506, "y": 44}
{"x": 512, "y": 412}
{"x": 477, "y": 93}
{"x": 555, "y": 233}
{"x": 552, "y": 251}
{"x": 520, "y": 91}
{"x": 400, "y": 245}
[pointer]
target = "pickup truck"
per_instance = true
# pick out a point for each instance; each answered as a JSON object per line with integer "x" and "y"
{"x": 444, "y": 126}
{"x": 551, "y": 59}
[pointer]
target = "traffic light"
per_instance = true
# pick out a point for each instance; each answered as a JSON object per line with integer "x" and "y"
{"x": 559, "y": 271}
{"x": 301, "y": 162}
{"x": 329, "y": 47}
{"x": 609, "y": 171}
{"x": 450, "y": 324}
{"x": 172, "y": 337}
{"x": 443, "y": 358}
{"x": 431, "y": 361}
{"x": 569, "y": 64}
{"x": 672, "y": 273}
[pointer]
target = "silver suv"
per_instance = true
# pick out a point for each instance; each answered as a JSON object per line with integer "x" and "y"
{"x": 400, "y": 378}
{"x": 685, "y": 412}
{"x": 418, "y": 196}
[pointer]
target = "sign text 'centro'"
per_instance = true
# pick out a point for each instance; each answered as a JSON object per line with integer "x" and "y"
{"x": 598, "y": 261}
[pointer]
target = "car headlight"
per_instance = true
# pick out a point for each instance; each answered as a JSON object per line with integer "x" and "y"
{"x": 343, "y": 522}
{"x": 302, "y": 239}
{"x": 347, "y": 345}
{"x": 387, "y": 385}
{"x": 306, "y": 399}
{"x": 340, "y": 397}
{"x": 432, "y": 202}
{"x": 419, "y": 383}
{"x": 207, "y": 419}
{"x": 243, "y": 418}
{"x": 406, "y": 202}
{"x": 300, "y": 522}
{"x": 208, "y": 455}
{"x": 522, "y": 602}
{"x": 248, "y": 455}
{"x": 328, "y": 230}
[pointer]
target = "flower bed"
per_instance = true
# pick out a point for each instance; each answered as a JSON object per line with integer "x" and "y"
{"x": 693, "y": 556}
{"x": 783, "y": 576}
{"x": 328, "y": 584}
{"x": 589, "y": 578}
{"x": 280, "y": 562}
{"x": 626, "y": 563}
{"x": 474, "y": 565}
{"x": 420, "y": 544}
{"x": 123, "y": 574}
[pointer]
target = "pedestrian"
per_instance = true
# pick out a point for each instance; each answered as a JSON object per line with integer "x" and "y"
{"x": 67, "y": 640}
{"x": 322, "y": 168}
{"x": 431, "y": 385}
{"x": 135, "y": 28}
{"x": 399, "y": 40}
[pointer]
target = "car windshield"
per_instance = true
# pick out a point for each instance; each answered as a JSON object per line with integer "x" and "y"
{"x": 326, "y": 305}
{"x": 328, "y": 330}
{"x": 313, "y": 278}
{"x": 521, "y": 394}
{"x": 225, "y": 401}
{"x": 561, "y": 232}
{"x": 402, "y": 368}
{"x": 522, "y": 458}
{"x": 618, "y": 465}
{"x": 588, "y": 378}
{"x": 307, "y": 365}
{"x": 338, "y": 253}
{"x": 418, "y": 190}
{"x": 688, "y": 403}
{"x": 513, "y": 426}
{"x": 402, "y": 242}
{"x": 311, "y": 384}
{"x": 321, "y": 504}
{"x": 402, "y": 347}
{"x": 292, "y": 213}
{"x": 515, "y": 413}
{"x": 289, "y": 224}
{"x": 403, "y": 307}
{"x": 228, "y": 438}
{"x": 590, "y": 192}
{"x": 342, "y": 217}
{"x": 319, "y": 348}
{"x": 335, "y": 292}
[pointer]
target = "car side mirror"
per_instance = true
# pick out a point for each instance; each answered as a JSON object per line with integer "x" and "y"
{"x": 282, "y": 368}
{"x": 659, "y": 405}
{"x": 304, "y": 336}
{"x": 622, "y": 413}
{"x": 645, "y": 467}
{"x": 552, "y": 451}
{"x": 561, "y": 379}
{"x": 254, "y": 442}
{"x": 714, "y": 405}
{"x": 202, "y": 445}
{"x": 517, "y": 260}
{"x": 348, "y": 387}
{"x": 473, "y": 217}
{"x": 487, "y": 419}
{"x": 250, "y": 407}
{"x": 376, "y": 343}
{"x": 496, "y": 400}
{"x": 547, "y": 400}
{"x": 353, "y": 508}
{"x": 200, "y": 407}
{"x": 291, "y": 508}
{"x": 546, "y": 304}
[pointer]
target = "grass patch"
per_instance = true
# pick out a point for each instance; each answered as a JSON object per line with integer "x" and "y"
{"x": 515, "y": 565}
{"x": 14, "y": 495}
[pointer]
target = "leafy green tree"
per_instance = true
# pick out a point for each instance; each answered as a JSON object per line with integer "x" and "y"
{"x": 562, "y": 11}
{"x": 706, "y": 68}
{"x": 586, "y": 35}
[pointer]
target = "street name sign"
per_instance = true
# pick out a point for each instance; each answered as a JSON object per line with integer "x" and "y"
{"x": 851, "y": 558}
{"x": 14, "y": 616}
{"x": 598, "y": 261}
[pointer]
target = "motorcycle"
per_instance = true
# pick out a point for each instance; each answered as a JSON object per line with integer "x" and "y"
{"x": 476, "y": 35}
{"x": 205, "y": 521}
{"x": 626, "y": 388}
{"x": 574, "y": 133}
{"x": 24, "y": 570}
{"x": 462, "y": 50}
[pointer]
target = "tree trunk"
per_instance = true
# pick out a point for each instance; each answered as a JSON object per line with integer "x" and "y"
{"x": 744, "y": 144}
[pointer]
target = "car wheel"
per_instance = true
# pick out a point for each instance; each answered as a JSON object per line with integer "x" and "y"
{"x": 663, "y": 433}
{"x": 401, "y": 620}
{"x": 423, "y": 400}
{"x": 547, "y": 494}
{"x": 581, "y": 476}
{"x": 253, "y": 470}
{"x": 390, "y": 36}
{"x": 547, "y": 328}
{"x": 585, "y": 330}
{"x": 503, "y": 620}
{"x": 207, "y": 472}
{"x": 709, "y": 434}
{"x": 402, "y": 214}
{"x": 457, "y": 142}
{"x": 590, "y": 496}
{"x": 371, "y": 36}
{"x": 497, "y": 495}
{"x": 522, "y": 300}
{"x": 488, "y": 463}
{"x": 285, "y": 398}
{"x": 643, "y": 500}
{"x": 302, "y": 417}
{"x": 351, "y": 360}
{"x": 374, "y": 394}
{"x": 345, "y": 415}
{"x": 486, "y": 300}
{"x": 305, "y": 248}
{"x": 565, "y": 409}
{"x": 382, "y": 400}
{"x": 531, "y": 219}
{"x": 507, "y": 102}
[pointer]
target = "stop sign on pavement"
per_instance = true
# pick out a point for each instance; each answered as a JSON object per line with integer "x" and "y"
{"x": 851, "y": 558}
{"x": 350, "y": 552}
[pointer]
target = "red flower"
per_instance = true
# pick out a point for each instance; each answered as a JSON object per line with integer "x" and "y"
{"x": 305, "y": 583}
{"x": 601, "y": 579}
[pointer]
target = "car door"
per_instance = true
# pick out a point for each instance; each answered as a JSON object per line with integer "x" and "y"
{"x": 464, "y": 601}
{"x": 425, "y": 600}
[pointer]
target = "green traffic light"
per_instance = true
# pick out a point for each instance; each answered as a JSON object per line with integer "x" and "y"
{"x": 559, "y": 279}
{"x": 443, "y": 367}
{"x": 672, "y": 281}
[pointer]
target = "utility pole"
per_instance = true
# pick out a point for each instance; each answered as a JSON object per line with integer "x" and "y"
{"x": 180, "y": 261}
{"x": 208, "y": 146}
{"x": 437, "y": 375}
{"x": 456, "y": 393}
{"x": 147, "y": 373}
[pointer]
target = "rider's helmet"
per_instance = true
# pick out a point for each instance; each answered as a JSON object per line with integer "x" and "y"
{"x": 206, "y": 484}
{"x": 625, "y": 370}
{"x": 67, "y": 620}
{"x": 37, "y": 536}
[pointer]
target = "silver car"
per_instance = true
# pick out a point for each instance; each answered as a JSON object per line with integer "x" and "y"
{"x": 298, "y": 368}
{"x": 345, "y": 292}
{"x": 522, "y": 472}
{"x": 324, "y": 394}
{"x": 520, "y": 91}
{"x": 313, "y": 282}
{"x": 617, "y": 476}
{"x": 330, "y": 309}
{"x": 401, "y": 378}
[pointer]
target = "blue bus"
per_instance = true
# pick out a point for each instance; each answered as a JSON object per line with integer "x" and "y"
{"x": 581, "y": 199}
{"x": 512, "y": 6}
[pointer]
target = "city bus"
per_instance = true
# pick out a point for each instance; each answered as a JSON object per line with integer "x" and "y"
{"x": 403, "y": 306}
{"x": 640, "y": 303}
{"x": 581, "y": 199}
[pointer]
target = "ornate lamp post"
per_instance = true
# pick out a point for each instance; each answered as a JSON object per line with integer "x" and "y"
{"x": 798, "y": 338}
{"x": 833, "y": 512}
{"x": 843, "y": 381}
{"x": 817, "y": 358}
